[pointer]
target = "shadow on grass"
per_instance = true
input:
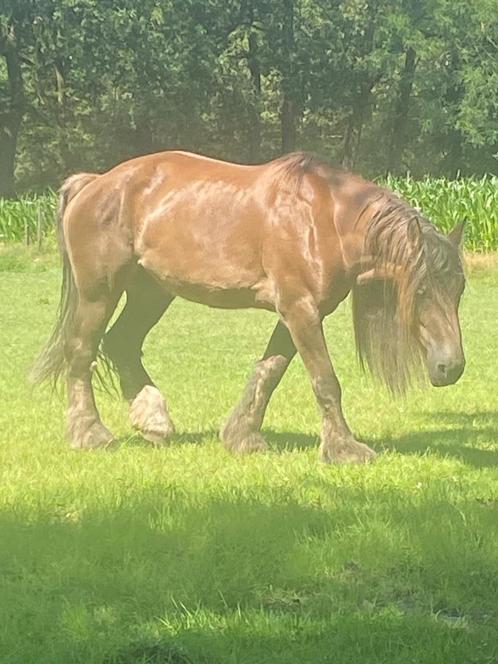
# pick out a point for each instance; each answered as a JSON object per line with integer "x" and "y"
{"x": 459, "y": 436}
{"x": 184, "y": 438}
{"x": 148, "y": 652}
{"x": 237, "y": 580}
{"x": 277, "y": 440}
{"x": 461, "y": 441}
{"x": 291, "y": 440}
{"x": 161, "y": 575}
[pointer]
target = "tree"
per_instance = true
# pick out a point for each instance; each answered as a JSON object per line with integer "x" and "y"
{"x": 375, "y": 84}
{"x": 12, "y": 102}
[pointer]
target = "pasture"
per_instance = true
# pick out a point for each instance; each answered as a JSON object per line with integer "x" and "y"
{"x": 185, "y": 554}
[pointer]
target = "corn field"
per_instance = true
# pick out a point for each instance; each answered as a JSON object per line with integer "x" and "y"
{"x": 445, "y": 202}
{"x": 29, "y": 219}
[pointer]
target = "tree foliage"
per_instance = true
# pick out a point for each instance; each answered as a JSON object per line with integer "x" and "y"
{"x": 378, "y": 85}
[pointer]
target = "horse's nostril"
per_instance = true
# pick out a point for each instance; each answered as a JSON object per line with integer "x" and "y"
{"x": 442, "y": 369}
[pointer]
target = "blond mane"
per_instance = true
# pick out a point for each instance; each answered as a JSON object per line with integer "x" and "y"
{"x": 385, "y": 311}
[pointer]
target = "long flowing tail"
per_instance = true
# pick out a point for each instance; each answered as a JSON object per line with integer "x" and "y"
{"x": 50, "y": 362}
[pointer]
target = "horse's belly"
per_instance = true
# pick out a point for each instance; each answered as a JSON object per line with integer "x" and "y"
{"x": 230, "y": 298}
{"x": 206, "y": 251}
{"x": 226, "y": 286}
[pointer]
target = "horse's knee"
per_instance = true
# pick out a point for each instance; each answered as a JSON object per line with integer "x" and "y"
{"x": 79, "y": 356}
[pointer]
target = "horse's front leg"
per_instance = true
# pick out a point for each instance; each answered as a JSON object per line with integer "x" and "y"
{"x": 241, "y": 433}
{"x": 337, "y": 442}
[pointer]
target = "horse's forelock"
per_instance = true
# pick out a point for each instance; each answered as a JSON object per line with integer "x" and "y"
{"x": 385, "y": 314}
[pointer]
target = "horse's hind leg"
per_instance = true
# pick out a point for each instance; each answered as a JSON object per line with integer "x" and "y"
{"x": 241, "y": 433}
{"x": 145, "y": 304}
{"x": 84, "y": 427}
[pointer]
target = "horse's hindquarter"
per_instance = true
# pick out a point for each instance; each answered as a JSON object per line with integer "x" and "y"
{"x": 199, "y": 230}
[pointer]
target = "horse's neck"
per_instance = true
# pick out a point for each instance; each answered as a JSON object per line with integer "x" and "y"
{"x": 353, "y": 225}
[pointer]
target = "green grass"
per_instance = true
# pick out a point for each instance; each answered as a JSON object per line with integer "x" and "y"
{"x": 186, "y": 554}
{"x": 445, "y": 202}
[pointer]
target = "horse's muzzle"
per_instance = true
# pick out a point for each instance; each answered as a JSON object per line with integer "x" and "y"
{"x": 446, "y": 372}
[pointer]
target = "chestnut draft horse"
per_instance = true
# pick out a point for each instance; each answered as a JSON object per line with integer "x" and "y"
{"x": 293, "y": 236}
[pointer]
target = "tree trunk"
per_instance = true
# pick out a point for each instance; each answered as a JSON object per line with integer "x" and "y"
{"x": 347, "y": 160}
{"x": 8, "y": 148}
{"x": 361, "y": 102}
{"x": 11, "y": 117}
{"x": 143, "y": 135}
{"x": 60, "y": 117}
{"x": 291, "y": 108}
{"x": 253, "y": 65}
{"x": 288, "y": 120}
{"x": 453, "y": 141}
{"x": 352, "y": 137}
{"x": 394, "y": 160}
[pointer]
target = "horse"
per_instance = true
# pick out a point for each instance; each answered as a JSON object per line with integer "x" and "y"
{"x": 293, "y": 236}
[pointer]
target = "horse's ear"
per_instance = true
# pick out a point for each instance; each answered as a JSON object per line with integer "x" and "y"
{"x": 455, "y": 236}
{"x": 414, "y": 232}
{"x": 384, "y": 272}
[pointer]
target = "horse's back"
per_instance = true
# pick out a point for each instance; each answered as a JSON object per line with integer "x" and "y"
{"x": 224, "y": 234}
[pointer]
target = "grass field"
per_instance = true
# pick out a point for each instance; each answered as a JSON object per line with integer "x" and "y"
{"x": 186, "y": 554}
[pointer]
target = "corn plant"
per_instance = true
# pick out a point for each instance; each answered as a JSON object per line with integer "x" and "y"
{"x": 445, "y": 202}
{"x": 27, "y": 218}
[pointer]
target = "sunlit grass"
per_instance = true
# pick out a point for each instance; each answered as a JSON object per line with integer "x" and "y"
{"x": 187, "y": 554}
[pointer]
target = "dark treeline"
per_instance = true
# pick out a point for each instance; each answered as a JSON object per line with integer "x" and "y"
{"x": 377, "y": 85}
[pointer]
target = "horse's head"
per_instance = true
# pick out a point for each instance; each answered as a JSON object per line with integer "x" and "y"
{"x": 437, "y": 298}
{"x": 406, "y": 299}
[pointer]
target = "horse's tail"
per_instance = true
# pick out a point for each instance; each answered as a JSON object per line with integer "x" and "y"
{"x": 50, "y": 362}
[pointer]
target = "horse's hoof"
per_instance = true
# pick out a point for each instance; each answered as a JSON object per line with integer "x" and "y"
{"x": 159, "y": 435}
{"x": 346, "y": 451}
{"x": 97, "y": 435}
{"x": 244, "y": 443}
{"x": 149, "y": 415}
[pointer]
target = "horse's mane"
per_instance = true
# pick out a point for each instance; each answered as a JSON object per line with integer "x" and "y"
{"x": 291, "y": 169}
{"x": 298, "y": 163}
{"x": 385, "y": 311}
